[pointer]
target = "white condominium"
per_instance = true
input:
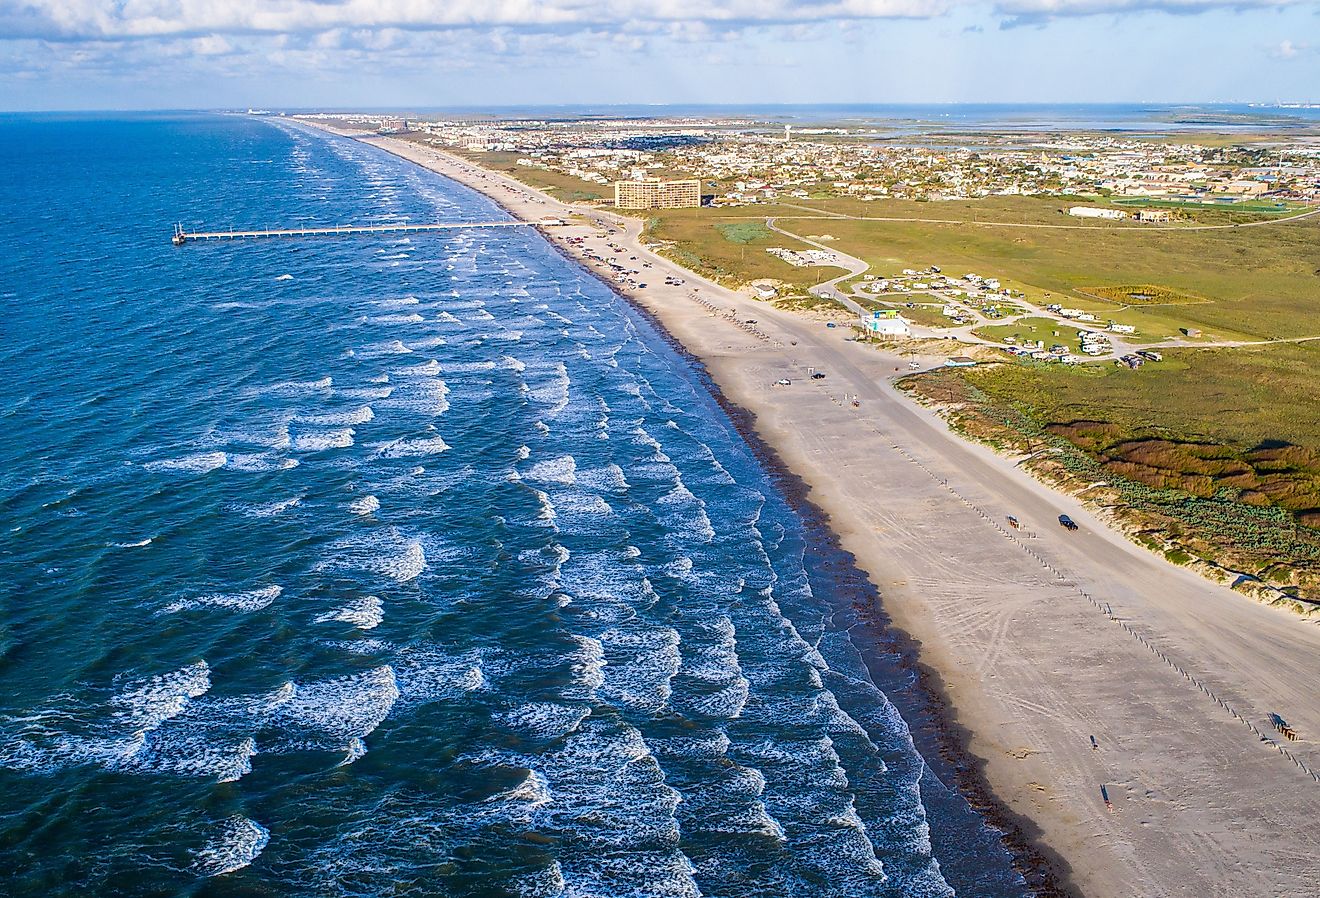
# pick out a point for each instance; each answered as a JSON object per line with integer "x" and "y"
{"x": 652, "y": 193}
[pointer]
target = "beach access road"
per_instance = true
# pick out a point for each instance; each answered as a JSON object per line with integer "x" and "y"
{"x": 1044, "y": 638}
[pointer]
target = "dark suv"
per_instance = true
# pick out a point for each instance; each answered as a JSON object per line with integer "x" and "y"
{"x": 1067, "y": 523}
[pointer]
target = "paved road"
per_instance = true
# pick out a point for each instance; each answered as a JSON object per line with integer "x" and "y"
{"x": 852, "y": 266}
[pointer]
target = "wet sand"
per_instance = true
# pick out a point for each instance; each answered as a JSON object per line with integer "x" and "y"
{"x": 1067, "y": 666}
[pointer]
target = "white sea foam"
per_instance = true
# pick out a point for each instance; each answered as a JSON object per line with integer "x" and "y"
{"x": 555, "y": 470}
{"x": 147, "y": 703}
{"x": 285, "y": 277}
{"x": 259, "y": 462}
{"x": 426, "y": 675}
{"x": 430, "y": 342}
{"x": 238, "y": 843}
{"x": 365, "y": 613}
{"x": 387, "y": 553}
{"x": 238, "y": 764}
{"x": 341, "y": 438}
{"x": 137, "y": 545}
{"x": 642, "y": 667}
{"x": 360, "y": 415}
{"x": 299, "y": 386}
{"x": 544, "y": 720}
{"x": 197, "y": 463}
{"x": 364, "y": 505}
{"x": 357, "y": 747}
{"x": 367, "y": 393}
{"x": 252, "y": 600}
{"x": 727, "y": 703}
{"x": 426, "y": 369}
{"x": 409, "y": 318}
{"x": 587, "y": 662}
{"x": 270, "y": 509}
{"x": 582, "y": 504}
{"x": 467, "y": 367}
{"x": 413, "y": 447}
{"x": 426, "y": 397}
{"x": 386, "y": 347}
{"x": 533, "y": 792}
{"x": 337, "y": 710}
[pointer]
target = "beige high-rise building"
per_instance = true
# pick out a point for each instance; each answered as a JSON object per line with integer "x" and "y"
{"x": 652, "y": 193}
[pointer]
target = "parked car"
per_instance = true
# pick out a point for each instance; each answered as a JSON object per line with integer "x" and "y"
{"x": 783, "y": 382}
{"x": 1067, "y": 523}
{"x": 1014, "y": 523}
{"x": 819, "y": 375}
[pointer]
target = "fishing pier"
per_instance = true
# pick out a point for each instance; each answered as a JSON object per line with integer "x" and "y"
{"x": 182, "y": 236}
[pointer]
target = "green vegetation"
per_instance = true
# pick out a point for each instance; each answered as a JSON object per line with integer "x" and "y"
{"x": 728, "y": 249}
{"x": 1144, "y": 295}
{"x": 744, "y": 232}
{"x": 1238, "y": 397}
{"x": 1252, "y": 509}
{"x": 925, "y": 315}
{"x": 1034, "y": 328}
{"x": 1259, "y": 282}
{"x": 1262, "y": 208}
{"x": 1187, "y": 441}
{"x": 564, "y": 186}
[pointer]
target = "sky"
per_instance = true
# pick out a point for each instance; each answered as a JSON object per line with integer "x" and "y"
{"x": 284, "y": 54}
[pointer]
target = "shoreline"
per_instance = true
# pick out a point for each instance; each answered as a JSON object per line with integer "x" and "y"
{"x": 894, "y": 655}
{"x": 891, "y": 654}
{"x": 901, "y": 500}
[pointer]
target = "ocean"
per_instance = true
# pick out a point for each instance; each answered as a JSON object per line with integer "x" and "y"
{"x": 394, "y": 565}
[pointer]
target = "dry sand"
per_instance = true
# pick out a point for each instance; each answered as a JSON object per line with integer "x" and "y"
{"x": 1042, "y": 638}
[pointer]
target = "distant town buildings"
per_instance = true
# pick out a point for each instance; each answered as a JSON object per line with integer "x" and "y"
{"x": 653, "y": 193}
{"x": 745, "y": 162}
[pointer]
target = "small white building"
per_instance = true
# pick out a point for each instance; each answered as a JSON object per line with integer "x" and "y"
{"x": 888, "y": 327}
{"x": 1097, "y": 212}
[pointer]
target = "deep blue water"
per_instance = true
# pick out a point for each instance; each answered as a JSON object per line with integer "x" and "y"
{"x": 398, "y": 566}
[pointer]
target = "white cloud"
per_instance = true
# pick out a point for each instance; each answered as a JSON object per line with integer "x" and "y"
{"x": 1025, "y": 11}
{"x": 93, "y": 19}
{"x": 1286, "y": 49}
{"x": 90, "y": 20}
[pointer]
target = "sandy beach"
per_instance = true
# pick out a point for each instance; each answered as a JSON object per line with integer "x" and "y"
{"x": 1118, "y": 706}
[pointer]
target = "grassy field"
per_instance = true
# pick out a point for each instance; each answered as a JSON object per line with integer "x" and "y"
{"x": 1195, "y": 448}
{"x": 924, "y": 315}
{"x": 1046, "y": 329}
{"x": 1260, "y": 282}
{"x": 563, "y": 186}
{"x": 729, "y": 249}
{"x": 1241, "y": 398}
{"x": 1152, "y": 450}
{"x": 1263, "y": 208}
{"x": 1036, "y": 210}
